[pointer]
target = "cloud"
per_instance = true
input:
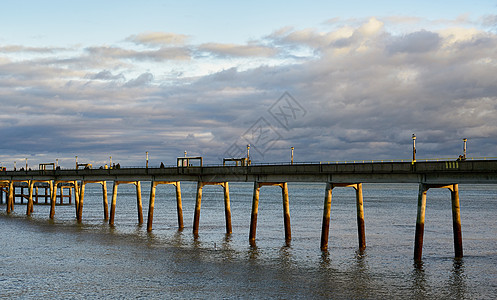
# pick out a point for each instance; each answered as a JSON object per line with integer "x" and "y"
{"x": 365, "y": 88}
{"x": 416, "y": 42}
{"x": 142, "y": 80}
{"x": 105, "y": 75}
{"x": 225, "y": 50}
{"x": 158, "y": 39}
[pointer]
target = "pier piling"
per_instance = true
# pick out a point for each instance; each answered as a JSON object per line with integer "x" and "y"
{"x": 139, "y": 202}
{"x": 255, "y": 209}
{"x": 286, "y": 212}
{"x": 53, "y": 198}
{"x": 179, "y": 206}
{"x": 104, "y": 199}
{"x": 420, "y": 222}
{"x": 113, "y": 203}
{"x": 326, "y": 217}
{"x": 361, "y": 233}
{"x": 198, "y": 202}
{"x": 227, "y": 207}
{"x": 29, "y": 207}
{"x": 114, "y": 199}
{"x": 81, "y": 200}
{"x": 456, "y": 221}
{"x": 151, "y": 203}
{"x": 10, "y": 201}
{"x": 360, "y": 217}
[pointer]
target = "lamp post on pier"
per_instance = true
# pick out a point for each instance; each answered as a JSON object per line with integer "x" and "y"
{"x": 413, "y": 147}
{"x": 292, "y": 155}
{"x": 464, "y": 147}
{"x": 147, "y": 158}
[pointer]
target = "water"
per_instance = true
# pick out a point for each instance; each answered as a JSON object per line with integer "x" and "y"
{"x": 63, "y": 259}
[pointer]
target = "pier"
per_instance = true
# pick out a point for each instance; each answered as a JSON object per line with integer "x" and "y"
{"x": 427, "y": 174}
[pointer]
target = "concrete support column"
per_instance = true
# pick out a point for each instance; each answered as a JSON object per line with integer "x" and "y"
{"x": 53, "y": 198}
{"x": 420, "y": 222}
{"x": 151, "y": 204}
{"x": 286, "y": 212}
{"x": 76, "y": 198}
{"x": 255, "y": 209}
{"x": 179, "y": 205}
{"x": 10, "y": 201}
{"x": 456, "y": 221}
{"x": 105, "y": 202}
{"x": 360, "y": 217}
{"x": 29, "y": 207}
{"x": 113, "y": 204}
{"x": 139, "y": 202}
{"x": 61, "y": 194}
{"x": 227, "y": 208}
{"x": 196, "y": 218}
{"x": 326, "y": 217}
{"x": 81, "y": 200}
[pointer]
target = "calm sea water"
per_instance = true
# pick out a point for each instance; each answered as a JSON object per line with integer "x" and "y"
{"x": 63, "y": 259}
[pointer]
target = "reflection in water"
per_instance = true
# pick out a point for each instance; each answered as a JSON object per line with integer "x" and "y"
{"x": 418, "y": 280}
{"x": 253, "y": 252}
{"x": 457, "y": 280}
{"x": 285, "y": 256}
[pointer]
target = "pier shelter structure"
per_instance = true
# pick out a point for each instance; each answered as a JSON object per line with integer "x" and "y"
{"x": 428, "y": 175}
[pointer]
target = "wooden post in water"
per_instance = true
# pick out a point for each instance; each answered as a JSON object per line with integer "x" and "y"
{"x": 360, "y": 217}
{"x": 105, "y": 202}
{"x": 139, "y": 202}
{"x": 53, "y": 198}
{"x": 36, "y": 192}
{"x": 198, "y": 202}
{"x": 22, "y": 195}
{"x": 179, "y": 205}
{"x": 456, "y": 221}
{"x": 286, "y": 212}
{"x": 113, "y": 204}
{"x": 325, "y": 229}
{"x": 420, "y": 222}
{"x": 70, "y": 195}
{"x": 227, "y": 208}
{"x": 255, "y": 210}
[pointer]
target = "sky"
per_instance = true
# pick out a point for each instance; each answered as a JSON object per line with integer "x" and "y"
{"x": 336, "y": 80}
